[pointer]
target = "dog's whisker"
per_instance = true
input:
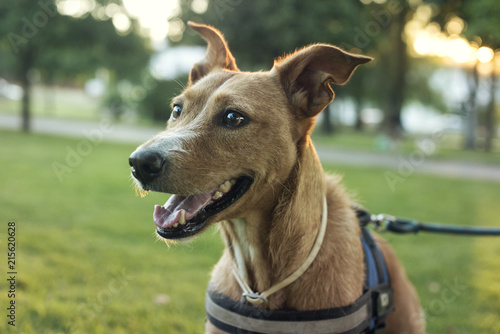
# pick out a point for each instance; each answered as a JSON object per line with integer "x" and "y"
{"x": 137, "y": 188}
{"x": 181, "y": 84}
{"x": 180, "y": 150}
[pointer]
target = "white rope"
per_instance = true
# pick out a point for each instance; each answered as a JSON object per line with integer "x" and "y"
{"x": 261, "y": 298}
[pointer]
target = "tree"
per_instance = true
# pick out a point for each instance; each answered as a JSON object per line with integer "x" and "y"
{"x": 37, "y": 36}
{"x": 482, "y": 17}
{"x": 482, "y": 26}
{"x": 397, "y": 68}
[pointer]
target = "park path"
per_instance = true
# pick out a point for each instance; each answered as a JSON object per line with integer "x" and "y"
{"x": 398, "y": 165}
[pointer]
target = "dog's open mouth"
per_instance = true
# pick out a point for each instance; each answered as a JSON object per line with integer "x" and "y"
{"x": 184, "y": 216}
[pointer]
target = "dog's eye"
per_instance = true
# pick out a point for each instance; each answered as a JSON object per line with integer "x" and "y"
{"x": 233, "y": 119}
{"x": 176, "y": 112}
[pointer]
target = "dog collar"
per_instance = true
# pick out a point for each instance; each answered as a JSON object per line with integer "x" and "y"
{"x": 256, "y": 298}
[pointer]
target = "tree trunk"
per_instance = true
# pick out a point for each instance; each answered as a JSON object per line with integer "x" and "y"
{"x": 471, "y": 112}
{"x": 326, "y": 126}
{"x": 359, "y": 125}
{"x": 490, "y": 114}
{"x": 392, "y": 121}
{"x": 358, "y": 102}
{"x": 26, "y": 65}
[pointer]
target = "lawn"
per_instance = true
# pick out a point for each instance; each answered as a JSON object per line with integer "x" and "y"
{"x": 87, "y": 260}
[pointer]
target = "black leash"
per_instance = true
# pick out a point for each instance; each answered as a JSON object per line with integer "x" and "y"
{"x": 384, "y": 222}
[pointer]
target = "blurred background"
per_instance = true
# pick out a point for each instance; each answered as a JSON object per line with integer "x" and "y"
{"x": 435, "y": 67}
{"x": 83, "y": 82}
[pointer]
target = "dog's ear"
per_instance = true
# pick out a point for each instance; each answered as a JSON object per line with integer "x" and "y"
{"x": 217, "y": 56}
{"x": 307, "y": 74}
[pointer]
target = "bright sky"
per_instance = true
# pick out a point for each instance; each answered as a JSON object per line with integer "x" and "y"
{"x": 152, "y": 15}
{"x": 156, "y": 17}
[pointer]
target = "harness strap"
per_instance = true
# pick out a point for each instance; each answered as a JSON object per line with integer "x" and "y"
{"x": 373, "y": 255}
{"x": 237, "y": 317}
{"x": 377, "y": 281}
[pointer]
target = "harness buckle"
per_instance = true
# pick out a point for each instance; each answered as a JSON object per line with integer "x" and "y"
{"x": 255, "y": 298}
{"x": 384, "y": 304}
{"x": 381, "y": 221}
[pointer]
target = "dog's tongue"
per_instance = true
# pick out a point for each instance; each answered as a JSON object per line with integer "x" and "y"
{"x": 169, "y": 214}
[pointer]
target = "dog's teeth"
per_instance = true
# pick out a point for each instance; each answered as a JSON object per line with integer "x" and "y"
{"x": 225, "y": 186}
{"x": 176, "y": 225}
{"x": 217, "y": 195}
{"x": 182, "y": 219}
{"x": 232, "y": 181}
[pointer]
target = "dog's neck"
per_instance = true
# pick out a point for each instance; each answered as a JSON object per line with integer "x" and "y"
{"x": 268, "y": 246}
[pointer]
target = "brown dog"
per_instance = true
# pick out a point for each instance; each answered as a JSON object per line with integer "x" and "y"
{"x": 237, "y": 151}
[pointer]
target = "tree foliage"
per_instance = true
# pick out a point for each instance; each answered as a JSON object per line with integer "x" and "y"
{"x": 36, "y": 36}
{"x": 482, "y": 19}
{"x": 259, "y": 31}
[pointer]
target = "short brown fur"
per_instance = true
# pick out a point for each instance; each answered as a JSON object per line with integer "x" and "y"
{"x": 272, "y": 228}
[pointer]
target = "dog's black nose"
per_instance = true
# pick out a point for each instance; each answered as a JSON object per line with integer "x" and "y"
{"x": 146, "y": 165}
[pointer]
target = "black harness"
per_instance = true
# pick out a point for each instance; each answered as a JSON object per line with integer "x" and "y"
{"x": 367, "y": 313}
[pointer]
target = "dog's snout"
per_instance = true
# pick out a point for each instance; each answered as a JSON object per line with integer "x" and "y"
{"x": 146, "y": 165}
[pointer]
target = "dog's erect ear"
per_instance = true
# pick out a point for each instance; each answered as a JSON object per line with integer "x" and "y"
{"x": 307, "y": 74}
{"x": 217, "y": 56}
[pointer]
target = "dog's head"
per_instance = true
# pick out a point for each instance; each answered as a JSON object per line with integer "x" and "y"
{"x": 231, "y": 141}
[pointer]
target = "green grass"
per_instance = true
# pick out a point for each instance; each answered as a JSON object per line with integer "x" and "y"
{"x": 88, "y": 261}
